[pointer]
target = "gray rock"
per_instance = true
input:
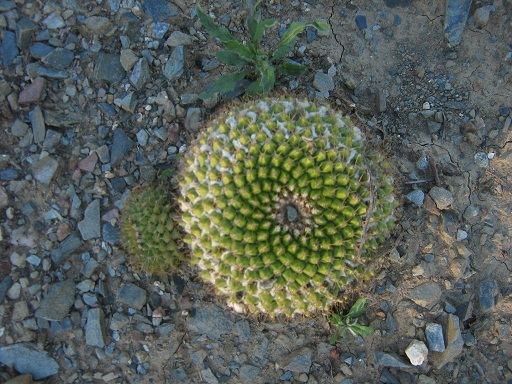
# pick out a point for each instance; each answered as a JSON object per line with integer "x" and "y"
{"x": 38, "y": 125}
{"x": 128, "y": 59}
{"x": 385, "y": 378}
{"x": 193, "y": 119}
{"x": 481, "y": 159}
{"x": 7, "y": 5}
{"x": 9, "y": 49}
{"x": 442, "y": 197}
{"x": 417, "y": 352}
{"x": 159, "y": 30}
{"x": 27, "y": 358}
{"x": 128, "y": 102}
{"x": 4, "y": 198}
{"x": 453, "y": 340}
{"x": 131, "y": 296}
{"x": 120, "y": 146}
{"x": 174, "y": 67}
{"x": 435, "y": 337}
{"x": 36, "y": 69}
{"x": 243, "y": 329}
{"x": 61, "y": 120}
{"x": 471, "y": 212}
{"x": 51, "y": 139}
{"x": 422, "y": 379}
{"x": 111, "y": 234}
{"x": 89, "y": 227}
{"x": 425, "y": 295}
{"x": 58, "y": 301}
{"x": 5, "y": 285}
{"x": 118, "y": 322}
{"x": 488, "y": 291}
{"x": 59, "y": 58}
{"x": 208, "y": 376}
{"x": 416, "y": 197}
{"x": 323, "y": 82}
{"x": 158, "y": 9}
{"x": 140, "y": 74}
{"x": 298, "y": 361}
{"x": 94, "y": 334}
{"x": 25, "y": 29}
{"x": 66, "y": 249}
{"x": 178, "y": 38}
{"x": 100, "y": 25}
{"x": 109, "y": 68}
{"x": 54, "y": 21}
{"x": 210, "y": 320}
{"x": 90, "y": 267}
{"x": 44, "y": 169}
{"x": 481, "y": 15}
{"x": 391, "y": 360}
{"x": 19, "y": 128}
{"x": 456, "y": 15}
{"x": 248, "y": 373}
{"x": 464, "y": 310}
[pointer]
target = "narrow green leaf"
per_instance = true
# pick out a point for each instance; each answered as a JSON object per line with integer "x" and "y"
{"x": 288, "y": 40}
{"x": 260, "y": 30}
{"x": 242, "y": 50}
{"x": 357, "y": 309}
{"x": 320, "y": 26}
{"x": 252, "y": 24}
{"x": 225, "y": 84}
{"x": 291, "y": 68}
{"x": 268, "y": 79}
{"x": 362, "y": 330}
{"x": 255, "y": 88}
{"x": 213, "y": 28}
{"x": 231, "y": 58}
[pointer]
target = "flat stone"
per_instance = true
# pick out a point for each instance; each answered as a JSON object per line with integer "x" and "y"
{"x": 435, "y": 337}
{"x": 4, "y": 198}
{"x": 7, "y": 5}
{"x": 323, "y": 82}
{"x": 456, "y": 15}
{"x": 60, "y": 120}
{"x": 391, "y": 360}
{"x": 131, "y": 296}
{"x": 54, "y": 21}
{"x": 210, "y": 320}
{"x": 27, "y": 358}
{"x": 118, "y": 321}
{"x": 94, "y": 334}
{"x": 111, "y": 233}
{"x": 9, "y": 174}
{"x": 120, "y": 146}
{"x": 208, "y": 376}
{"x": 9, "y": 48}
{"x": 36, "y": 69}
{"x": 298, "y": 361}
{"x": 128, "y": 59}
{"x": 416, "y": 197}
{"x": 38, "y": 124}
{"x": 58, "y": 301}
{"x": 89, "y": 227}
{"x": 442, "y": 197}
{"x": 423, "y": 379}
{"x": 32, "y": 93}
{"x": 19, "y": 128}
{"x": 173, "y": 69}
{"x": 178, "y": 38}
{"x": 193, "y": 119}
{"x": 128, "y": 102}
{"x": 453, "y": 340}
{"x": 66, "y": 249}
{"x": 417, "y": 352}
{"x": 158, "y": 9}
{"x": 51, "y": 139}
{"x": 44, "y": 169}
{"x": 140, "y": 74}
{"x": 59, "y": 58}
{"x": 20, "y": 311}
{"x": 25, "y": 29}
{"x": 100, "y": 25}
{"x": 488, "y": 291}
{"x": 425, "y": 295}
{"x": 464, "y": 311}
{"x": 361, "y": 22}
{"x": 159, "y": 30}
{"x": 248, "y": 373}
{"x": 89, "y": 163}
{"x": 109, "y": 68}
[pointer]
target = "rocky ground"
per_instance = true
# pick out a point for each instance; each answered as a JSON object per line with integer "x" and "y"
{"x": 97, "y": 97}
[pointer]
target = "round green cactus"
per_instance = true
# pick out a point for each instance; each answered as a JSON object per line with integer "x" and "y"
{"x": 283, "y": 206}
{"x": 150, "y": 230}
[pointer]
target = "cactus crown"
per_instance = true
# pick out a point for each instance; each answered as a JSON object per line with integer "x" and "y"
{"x": 149, "y": 230}
{"x": 283, "y": 207}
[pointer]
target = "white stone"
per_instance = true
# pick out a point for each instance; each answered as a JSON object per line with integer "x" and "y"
{"x": 417, "y": 352}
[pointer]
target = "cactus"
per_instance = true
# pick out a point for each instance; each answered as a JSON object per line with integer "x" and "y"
{"x": 283, "y": 206}
{"x": 150, "y": 231}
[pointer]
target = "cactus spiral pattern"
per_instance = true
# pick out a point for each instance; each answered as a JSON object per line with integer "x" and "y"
{"x": 150, "y": 231}
{"x": 283, "y": 206}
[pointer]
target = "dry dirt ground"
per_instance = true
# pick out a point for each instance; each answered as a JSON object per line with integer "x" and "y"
{"x": 385, "y": 74}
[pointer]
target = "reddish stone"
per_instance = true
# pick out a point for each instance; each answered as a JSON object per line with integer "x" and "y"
{"x": 110, "y": 215}
{"x": 77, "y": 174}
{"x": 174, "y": 134}
{"x": 88, "y": 164}
{"x": 63, "y": 231}
{"x": 32, "y": 93}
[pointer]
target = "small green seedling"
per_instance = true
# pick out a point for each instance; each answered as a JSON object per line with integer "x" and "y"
{"x": 256, "y": 64}
{"x": 349, "y": 323}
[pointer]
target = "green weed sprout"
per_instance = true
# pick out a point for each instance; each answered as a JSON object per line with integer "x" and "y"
{"x": 255, "y": 63}
{"x": 349, "y": 323}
